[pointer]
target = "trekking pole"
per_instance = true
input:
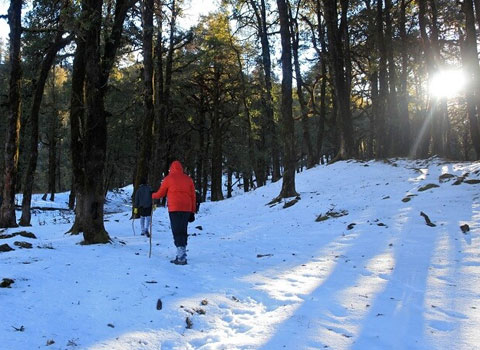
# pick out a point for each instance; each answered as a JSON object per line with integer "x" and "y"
{"x": 133, "y": 224}
{"x": 151, "y": 232}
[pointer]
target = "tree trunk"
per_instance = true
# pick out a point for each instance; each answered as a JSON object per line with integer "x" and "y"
{"x": 59, "y": 167}
{"x": 470, "y": 62}
{"x": 269, "y": 124}
{"x": 403, "y": 100}
{"x": 267, "y": 66}
{"x": 159, "y": 122}
{"x": 372, "y": 77}
{"x": 341, "y": 81}
{"x": 425, "y": 133}
{"x": 374, "y": 117}
{"x": 229, "y": 182}
{"x": 46, "y": 65}
{"x": 392, "y": 99}
{"x": 301, "y": 99}
{"x": 216, "y": 190}
{"x": 247, "y": 173}
{"x": 288, "y": 182}
{"x": 71, "y": 196}
{"x": 7, "y": 209}
{"x": 95, "y": 135}
{"x": 380, "y": 116}
{"x": 94, "y": 71}
{"x": 323, "y": 88}
{"x": 52, "y": 144}
{"x": 76, "y": 121}
{"x": 163, "y": 79}
{"x": 202, "y": 154}
{"x": 205, "y": 172}
{"x": 323, "y": 112}
{"x": 323, "y": 55}
{"x": 260, "y": 166}
{"x": 145, "y": 153}
{"x": 345, "y": 39}
{"x": 440, "y": 123}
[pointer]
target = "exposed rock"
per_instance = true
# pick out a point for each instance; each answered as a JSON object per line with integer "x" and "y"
{"x": 331, "y": 214}
{"x": 25, "y": 245}
{"x": 460, "y": 179}
{"x": 21, "y": 233}
{"x": 6, "y": 282}
{"x": 427, "y": 219}
{"x": 5, "y": 248}
{"x": 27, "y": 234}
{"x": 322, "y": 218}
{"x": 189, "y": 322}
{"x": 465, "y": 228}
{"x": 200, "y": 311}
{"x": 427, "y": 187}
{"x": 291, "y": 203}
{"x": 445, "y": 177}
{"x": 472, "y": 182}
{"x": 408, "y": 198}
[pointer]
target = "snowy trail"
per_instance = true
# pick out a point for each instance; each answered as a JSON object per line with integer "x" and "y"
{"x": 264, "y": 277}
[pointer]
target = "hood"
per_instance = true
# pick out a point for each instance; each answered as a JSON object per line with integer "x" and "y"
{"x": 176, "y": 167}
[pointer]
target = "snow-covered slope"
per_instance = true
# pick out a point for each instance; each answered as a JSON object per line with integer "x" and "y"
{"x": 351, "y": 265}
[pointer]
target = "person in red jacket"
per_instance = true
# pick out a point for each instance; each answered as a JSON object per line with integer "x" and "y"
{"x": 181, "y": 202}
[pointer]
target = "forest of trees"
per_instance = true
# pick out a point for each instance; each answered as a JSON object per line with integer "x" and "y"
{"x": 97, "y": 94}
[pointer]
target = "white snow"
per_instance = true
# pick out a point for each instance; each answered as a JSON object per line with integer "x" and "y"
{"x": 269, "y": 277}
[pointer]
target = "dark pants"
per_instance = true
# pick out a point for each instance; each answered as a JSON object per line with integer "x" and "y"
{"x": 179, "y": 223}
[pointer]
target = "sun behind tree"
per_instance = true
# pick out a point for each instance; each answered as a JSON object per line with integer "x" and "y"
{"x": 447, "y": 83}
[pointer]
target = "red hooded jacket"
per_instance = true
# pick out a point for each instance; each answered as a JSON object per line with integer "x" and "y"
{"x": 179, "y": 189}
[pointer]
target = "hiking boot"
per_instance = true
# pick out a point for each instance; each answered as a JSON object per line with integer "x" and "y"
{"x": 182, "y": 253}
{"x": 179, "y": 262}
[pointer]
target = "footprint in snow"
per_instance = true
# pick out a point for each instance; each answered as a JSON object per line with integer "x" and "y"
{"x": 338, "y": 311}
{"x": 443, "y": 326}
{"x": 450, "y": 313}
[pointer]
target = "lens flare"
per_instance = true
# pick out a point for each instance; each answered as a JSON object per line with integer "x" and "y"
{"x": 447, "y": 83}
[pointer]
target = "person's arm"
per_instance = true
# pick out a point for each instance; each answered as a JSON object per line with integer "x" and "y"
{"x": 162, "y": 191}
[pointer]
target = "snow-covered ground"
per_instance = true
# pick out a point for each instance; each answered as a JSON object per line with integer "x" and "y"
{"x": 263, "y": 276}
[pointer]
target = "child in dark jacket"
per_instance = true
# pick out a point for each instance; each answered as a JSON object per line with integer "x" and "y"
{"x": 143, "y": 206}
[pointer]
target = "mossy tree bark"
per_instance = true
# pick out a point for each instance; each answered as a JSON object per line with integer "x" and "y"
{"x": 89, "y": 129}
